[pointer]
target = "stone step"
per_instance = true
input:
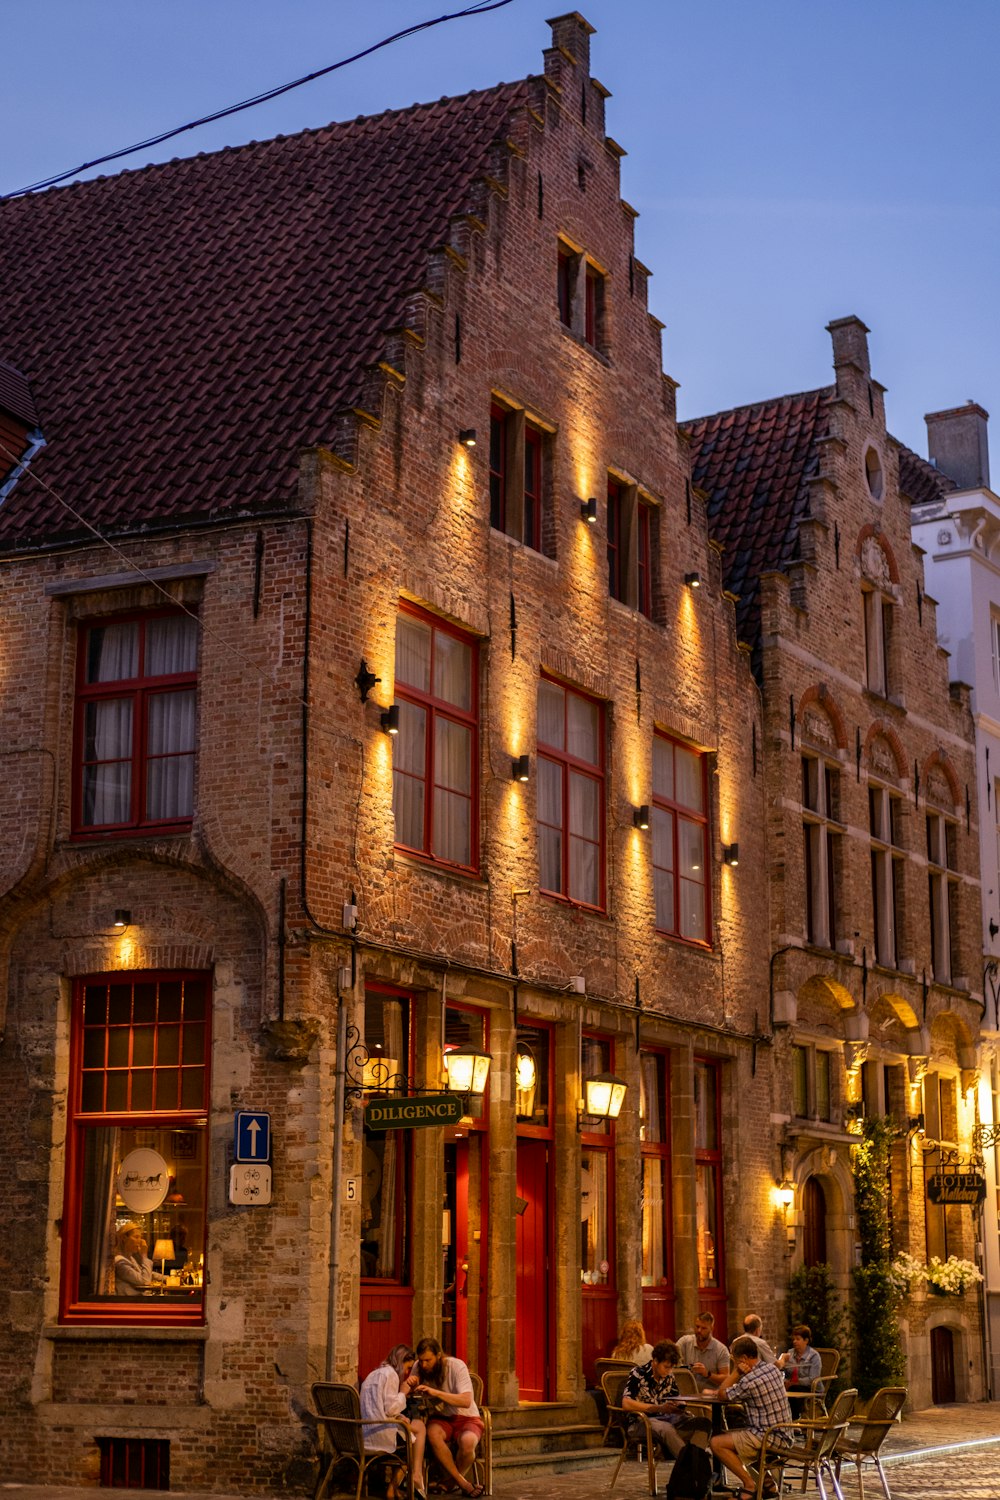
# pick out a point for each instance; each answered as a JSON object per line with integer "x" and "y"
{"x": 569, "y": 1437}
{"x": 543, "y": 1414}
{"x": 525, "y": 1465}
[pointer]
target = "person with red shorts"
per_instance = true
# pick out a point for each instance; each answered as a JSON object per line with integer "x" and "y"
{"x": 454, "y": 1419}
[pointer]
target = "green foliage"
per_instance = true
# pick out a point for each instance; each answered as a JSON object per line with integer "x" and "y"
{"x": 813, "y": 1299}
{"x": 879, "y": 1358}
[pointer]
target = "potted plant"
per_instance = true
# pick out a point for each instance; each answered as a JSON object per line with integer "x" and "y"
{"x": 949, "y": 1278}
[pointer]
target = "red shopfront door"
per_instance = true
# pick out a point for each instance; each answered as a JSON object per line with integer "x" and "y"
{"x": 534, "y": 1290}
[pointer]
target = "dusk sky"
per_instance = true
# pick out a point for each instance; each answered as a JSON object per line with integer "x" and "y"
{"x": 792, "y": 161}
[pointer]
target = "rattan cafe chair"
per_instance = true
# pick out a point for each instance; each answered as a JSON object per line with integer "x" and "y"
{"x": 864, "y": 1447}
{"x": 815, "y": 1453}
{"x": 482, "y": 1463}
{"x": 337, "y": 1414}
{"x": 620, "y": 1420}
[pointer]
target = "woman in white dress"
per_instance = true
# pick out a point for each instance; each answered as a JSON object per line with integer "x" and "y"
{"x": 384, "y": 1394}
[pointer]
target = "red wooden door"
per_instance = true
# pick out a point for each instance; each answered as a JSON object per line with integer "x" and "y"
{"x": 386, "y": 1320}
{"x": 534, "y": 1292}
{"x": 942, "y": 1366}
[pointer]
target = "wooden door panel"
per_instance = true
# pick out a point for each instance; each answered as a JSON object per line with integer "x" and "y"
{"x": 534, "y": 1301}
{"x": 392, "y": 1324}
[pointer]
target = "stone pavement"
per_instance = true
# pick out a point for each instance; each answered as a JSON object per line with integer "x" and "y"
{"x": 948, "y": 1452}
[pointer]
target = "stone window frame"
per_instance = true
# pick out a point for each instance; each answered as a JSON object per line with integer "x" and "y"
{"x": 887, "y": 855}
{"x": 582, "y": 296}
{"x": 193, "y": 1117}
{"x": 633, "y": 536}
{"x": 807, "y": 1082}
{"x": 942, "y": 892}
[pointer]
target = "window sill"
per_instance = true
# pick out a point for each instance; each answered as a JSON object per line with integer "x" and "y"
{"x": 425, "y": 864}
{"x": 147, "y": 831}
{"x": 524, "y": 546}
{"x": 583, "y": 343}
{"x": 579, "y": 907}
{"x": 82, "y": 1333}
{"x": 695, "y": 945}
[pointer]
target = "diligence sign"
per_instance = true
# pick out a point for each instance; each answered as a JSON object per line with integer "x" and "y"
{"x": 414, "y": 1114}
{"x": 956, "y": 1187}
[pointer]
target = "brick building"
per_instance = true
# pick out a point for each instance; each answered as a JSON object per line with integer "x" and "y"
{"x": 873, "y": 860}
{"x": 370, "y": 692}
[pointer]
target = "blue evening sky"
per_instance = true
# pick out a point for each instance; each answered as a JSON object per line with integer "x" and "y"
{"x": 792, "y": 160}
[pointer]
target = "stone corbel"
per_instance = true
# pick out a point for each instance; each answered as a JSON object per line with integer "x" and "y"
{"x": 855, "y": 1054}
{"x": 916, "y": 1067}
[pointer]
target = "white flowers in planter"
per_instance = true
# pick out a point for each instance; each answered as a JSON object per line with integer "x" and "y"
{"x": 947, "y": 1278}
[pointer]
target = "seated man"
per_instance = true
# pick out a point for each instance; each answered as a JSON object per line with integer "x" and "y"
{"x": 761, "y": 1389}
{"x": 705, "y": 1356}
{"x": 801, "y": 1364}
{"x": 651, "y": 1389}
{"x": 754, "y": 1327}
{"x": 454, "y": 1416}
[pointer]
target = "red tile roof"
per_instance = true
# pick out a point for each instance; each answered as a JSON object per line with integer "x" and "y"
{"x": 755, "y": 463}
{"x": 189, "y": 328}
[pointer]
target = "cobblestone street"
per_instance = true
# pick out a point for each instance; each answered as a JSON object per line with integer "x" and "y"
{"x": 948, "y": 1452}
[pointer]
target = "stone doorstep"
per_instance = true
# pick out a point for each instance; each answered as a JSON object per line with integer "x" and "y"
{"x": 554, "y": 1414}
{"x": 574, "y": 1436}
{"x": 525, "y": 1465}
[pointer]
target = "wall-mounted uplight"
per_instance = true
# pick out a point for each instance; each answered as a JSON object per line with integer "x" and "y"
{"x": 467, "y": 437}
{"x": 731, "y": 854}
{"x": 520, "y": 768}
{"x": 693, "y": 580}
{"x": 123, "y": 918}
{"x": 467, "y": 1070}
{"x": 603, "y": 1098}
{"x": 588, "y": 511}
{"x": 389, "y": 719}
{"x": 640, "y": 816}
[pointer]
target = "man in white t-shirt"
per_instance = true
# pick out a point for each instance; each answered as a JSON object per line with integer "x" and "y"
{"x": 454, "y": 1417}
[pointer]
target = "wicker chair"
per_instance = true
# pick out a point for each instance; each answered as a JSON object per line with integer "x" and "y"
{"x": 883, "y": 1412}
{"x": 337, "y": 1415}
{"x": 620, "y": 1420}
{"x": 815, "y": 1454}
{"x": 482, "y": 1463}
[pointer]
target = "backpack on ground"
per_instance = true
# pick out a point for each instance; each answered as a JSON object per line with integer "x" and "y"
{"x": 692, "y": 1474}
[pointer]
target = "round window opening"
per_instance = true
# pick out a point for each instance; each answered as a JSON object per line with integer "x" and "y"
{"x": 873, "y": 473}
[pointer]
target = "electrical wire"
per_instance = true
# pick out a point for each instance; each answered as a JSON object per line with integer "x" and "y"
{"x": 481, "y": 7}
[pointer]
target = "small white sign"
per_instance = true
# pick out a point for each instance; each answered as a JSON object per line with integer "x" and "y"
{"x": 250, "y": 1184}
{"x": 351, "y": 1189}
{"x": 143, "y": 1181}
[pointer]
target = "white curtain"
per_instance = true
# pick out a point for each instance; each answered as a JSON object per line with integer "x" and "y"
{"x": 584, "y": 843}
{"x": 551, "y": 711}
{"x": 409, "y": 771}
{"x": 653, "y": 1216}
{"x": 113, "y": 652}
{"x": 170, "y": 755}
{"x": 550, "y": 784}
{"x": 453, "y": 791}
{"x": 171, "y": 645}
{"x": 583, "y": 720}
{"x": 663, "y": 868}
{"x": 107, "y": 780}
{"x": 413, "y": 653}
{"x": 452, "y": 670}
{"x": 394, "y": 1046}
{"x": 103, "y": 1143}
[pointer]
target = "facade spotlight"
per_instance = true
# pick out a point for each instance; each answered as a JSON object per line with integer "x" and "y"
{"x": 588, "y": 510}
{"x": 389, "y": 719}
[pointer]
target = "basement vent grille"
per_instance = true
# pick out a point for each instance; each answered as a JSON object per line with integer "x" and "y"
{"x": 135, "y": 1463}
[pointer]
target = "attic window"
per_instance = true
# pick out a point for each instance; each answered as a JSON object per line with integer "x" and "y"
{"x": 873, "y": 473}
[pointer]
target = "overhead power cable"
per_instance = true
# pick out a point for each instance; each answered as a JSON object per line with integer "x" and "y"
{"x": 481, "y": 7}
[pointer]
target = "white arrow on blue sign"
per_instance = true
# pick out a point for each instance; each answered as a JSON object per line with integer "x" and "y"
{"x": 252, "y": 1138}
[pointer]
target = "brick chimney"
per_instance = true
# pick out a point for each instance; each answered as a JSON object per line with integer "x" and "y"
{"x": 958, "y": 445}
{"x": 571, "y": 34}
{"x": 850, "y": 344}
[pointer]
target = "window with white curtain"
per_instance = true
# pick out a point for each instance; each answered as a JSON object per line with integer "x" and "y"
{"x": 885, "y": 827}
{"x": 570, "y": 794}
{"x": 435, "y": 752}
{"x": 135, "y": 734}
{"x": 942, "y": 885}
{"x": 680, "y": 840}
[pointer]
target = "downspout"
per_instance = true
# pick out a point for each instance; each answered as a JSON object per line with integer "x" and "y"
{"x": 339, "y": 1099}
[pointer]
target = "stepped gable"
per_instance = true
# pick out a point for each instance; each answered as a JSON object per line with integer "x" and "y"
{"x": 754, "y": 463}
{"x": 919, "y": 480}
{"x": 189, "y": 328}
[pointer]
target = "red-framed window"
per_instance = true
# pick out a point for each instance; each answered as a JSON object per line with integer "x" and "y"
{"x": 708, "y": 1167}
{"x": 534, "y": 479}
{"x": 386, "y": 1161}
{"x": 435, "y": 755}
{"x": 616, "y": 568}
{"x": 644, "y": 559}
{"x": 593, "y": 300}
{"x": 654, "y": 1135}
{"x": 571, "y": 794}
{"x": 498, "y": 467}
{"x": 137, "y": 1148}
{"x": 565, "y": 277}
{"x": 135, "y": 723}
{"x": 680, "y": 840}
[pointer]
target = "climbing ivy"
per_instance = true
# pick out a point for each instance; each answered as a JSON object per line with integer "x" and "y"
{"x": 878, "y": 1349}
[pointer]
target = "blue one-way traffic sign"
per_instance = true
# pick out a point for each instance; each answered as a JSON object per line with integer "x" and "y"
{"x": 252, "y": 1140}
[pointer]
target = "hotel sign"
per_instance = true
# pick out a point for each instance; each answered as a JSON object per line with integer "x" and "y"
{"x": 414, "y": 1114}
{"x": 956, "y": 1187}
